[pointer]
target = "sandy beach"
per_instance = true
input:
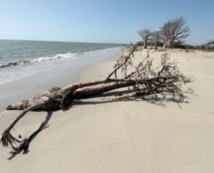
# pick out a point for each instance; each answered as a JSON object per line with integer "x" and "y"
{"x": 99, "y": 136}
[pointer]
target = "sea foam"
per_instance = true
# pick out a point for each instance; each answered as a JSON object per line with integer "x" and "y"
{"x": 14, "y": 70}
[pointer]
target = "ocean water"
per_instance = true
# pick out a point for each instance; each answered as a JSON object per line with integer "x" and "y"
{"x": 19, "y": 59}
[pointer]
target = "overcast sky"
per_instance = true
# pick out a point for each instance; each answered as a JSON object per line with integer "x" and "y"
{"x": 115, "y": 21}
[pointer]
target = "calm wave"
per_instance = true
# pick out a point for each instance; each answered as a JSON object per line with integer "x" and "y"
{"x": 23, "y": 58}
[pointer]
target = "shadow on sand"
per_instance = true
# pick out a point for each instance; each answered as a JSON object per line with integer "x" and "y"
{"x": 160, "y": 101}
{"x": 32, "y": 136}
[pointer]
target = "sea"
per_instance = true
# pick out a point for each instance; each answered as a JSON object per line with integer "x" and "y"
{"x": 19, "y": 59}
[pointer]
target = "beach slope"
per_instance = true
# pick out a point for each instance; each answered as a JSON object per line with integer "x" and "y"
{"x": 97, "y": 135}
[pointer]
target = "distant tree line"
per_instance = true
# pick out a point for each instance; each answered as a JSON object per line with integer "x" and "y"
{"x": 170, "y": 35}
{"x": 207, "y": 46}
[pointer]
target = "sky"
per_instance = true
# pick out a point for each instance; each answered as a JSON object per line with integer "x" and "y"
{"x": 102, "y": 21}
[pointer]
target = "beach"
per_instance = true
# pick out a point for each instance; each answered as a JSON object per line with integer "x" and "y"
{"x": 43, "y": 73}
{"x": 98, "y": 135}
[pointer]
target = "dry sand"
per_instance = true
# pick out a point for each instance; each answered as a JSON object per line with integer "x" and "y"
{"x": 97, "y": 136}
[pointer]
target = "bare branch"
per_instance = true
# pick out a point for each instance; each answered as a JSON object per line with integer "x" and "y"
{"x": 175, "y": 30}
{"x": 143, "y": 81}
{"x": 145, "y": 34}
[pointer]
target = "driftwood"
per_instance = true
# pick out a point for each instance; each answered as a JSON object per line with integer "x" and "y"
{"x": 144, "y": 80}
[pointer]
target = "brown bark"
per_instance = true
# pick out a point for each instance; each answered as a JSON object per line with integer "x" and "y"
{"x": 143, "y": 81}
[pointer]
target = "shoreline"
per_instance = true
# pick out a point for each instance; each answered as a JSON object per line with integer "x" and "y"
{"x": 62, "y": 75}
{"x": 96, "y": 135}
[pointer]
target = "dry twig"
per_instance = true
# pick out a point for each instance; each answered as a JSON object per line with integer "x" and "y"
{"x": 144, "y": 80}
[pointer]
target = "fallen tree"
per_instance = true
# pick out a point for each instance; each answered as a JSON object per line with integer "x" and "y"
{"x": 141, "y": 80}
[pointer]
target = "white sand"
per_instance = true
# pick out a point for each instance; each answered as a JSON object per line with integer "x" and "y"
{"x": 126, "y": 136}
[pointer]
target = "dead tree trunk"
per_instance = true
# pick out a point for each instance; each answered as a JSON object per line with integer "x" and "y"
{"x": 142, "y": 81}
